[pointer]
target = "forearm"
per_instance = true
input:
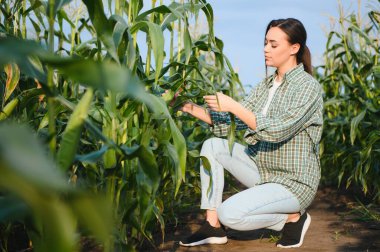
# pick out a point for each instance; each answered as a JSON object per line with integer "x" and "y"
{"x": 197, "y": 111}
{"x": 245, "y": 115}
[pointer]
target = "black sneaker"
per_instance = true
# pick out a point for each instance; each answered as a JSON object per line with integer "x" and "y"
{"x": 207, "y": 234}
{"x": 294, "y": 232}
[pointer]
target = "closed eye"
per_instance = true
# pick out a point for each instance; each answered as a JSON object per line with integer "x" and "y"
{"x": 273, "y": 46}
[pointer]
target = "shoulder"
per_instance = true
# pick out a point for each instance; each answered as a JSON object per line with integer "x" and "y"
{"x": 306, "y": 82}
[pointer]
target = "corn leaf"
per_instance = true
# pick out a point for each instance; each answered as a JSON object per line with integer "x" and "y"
{"x": 119, "y": 29}
{"x": 157, "y": 39}
{"x": 72, "y": 133}
{"x": 25, "y": 156}
{"x": 207, "y": 166}
{"x": 102, "y": 25}
{"x": 188, "y": 44}
{"x": 207, "y": 9}
{"x": 147, "y": 163}
{"x": 8, "y": 109}
{"x": 354, "y": 125}
{"x": 92, "y": 157}
{"x": 58, "y": 4}
{"x": 25, "y": 54}
{"x": 95, "y": 214}
{"x": 163, "y": 9}
{"x": 13, "y": 76}
{"x": 231, "y": 133}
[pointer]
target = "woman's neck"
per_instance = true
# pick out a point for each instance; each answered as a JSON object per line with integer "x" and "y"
{"x": 282, "y": 70}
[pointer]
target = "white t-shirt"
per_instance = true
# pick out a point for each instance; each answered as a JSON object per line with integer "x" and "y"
{"x": 272, "y": 91}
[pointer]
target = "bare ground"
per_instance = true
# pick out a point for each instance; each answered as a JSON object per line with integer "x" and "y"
{"x": 333, "y": 228}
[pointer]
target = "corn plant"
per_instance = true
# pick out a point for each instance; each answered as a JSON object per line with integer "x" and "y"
{"x": 34, "y": 189}
{"x": 91, "y": 97}
{"x": 350, "y": 146}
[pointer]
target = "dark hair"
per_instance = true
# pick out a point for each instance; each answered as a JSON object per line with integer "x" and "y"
{"x": 296, "y": 34}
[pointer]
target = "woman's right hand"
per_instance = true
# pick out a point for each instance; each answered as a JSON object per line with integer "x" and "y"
{"x": 187, "y": 107}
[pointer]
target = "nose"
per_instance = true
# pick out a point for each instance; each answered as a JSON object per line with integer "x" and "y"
{"x": 266, "y": 48}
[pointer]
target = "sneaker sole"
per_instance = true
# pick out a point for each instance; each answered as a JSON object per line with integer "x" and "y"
{"x": 210, "y": 240}
{"x": 304, "y": 230}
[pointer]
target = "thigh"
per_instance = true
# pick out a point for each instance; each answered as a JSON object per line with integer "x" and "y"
{"x": 238, "y": 163}
{"x": 269, "y": 198}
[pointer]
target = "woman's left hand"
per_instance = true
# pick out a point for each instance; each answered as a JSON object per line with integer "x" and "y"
{"x": 226, "y": 103}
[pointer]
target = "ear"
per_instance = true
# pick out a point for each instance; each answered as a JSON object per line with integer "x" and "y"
{"x": 295, "y": 48}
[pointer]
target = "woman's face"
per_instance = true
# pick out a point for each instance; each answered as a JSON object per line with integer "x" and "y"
{"x": 277, "y": 50}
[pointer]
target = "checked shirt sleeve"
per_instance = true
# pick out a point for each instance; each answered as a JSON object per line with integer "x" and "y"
{"x": 299, "y": 110}
{"x": 221, "y": 121}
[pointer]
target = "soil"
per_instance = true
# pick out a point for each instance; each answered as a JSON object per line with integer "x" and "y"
{"x": 334, "y": 227}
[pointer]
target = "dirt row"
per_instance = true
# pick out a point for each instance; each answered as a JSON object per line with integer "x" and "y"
{"x": 334, "y": 227}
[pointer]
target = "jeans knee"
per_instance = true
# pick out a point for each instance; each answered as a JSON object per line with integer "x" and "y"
{"x": 226, "y": 217}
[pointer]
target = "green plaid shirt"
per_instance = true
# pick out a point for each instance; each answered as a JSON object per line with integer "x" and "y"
{"x": 285, "y": 142}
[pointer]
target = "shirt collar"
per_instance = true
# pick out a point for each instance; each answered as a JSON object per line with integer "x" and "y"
{"x": 289, "y": 75}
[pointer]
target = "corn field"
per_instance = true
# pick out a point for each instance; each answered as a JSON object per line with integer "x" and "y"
{"x": 111, "y": 155}
{"x": 91, "y": 149}
{"x": 350, "y": 148}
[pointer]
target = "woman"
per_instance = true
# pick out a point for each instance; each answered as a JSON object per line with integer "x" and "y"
{"x": 280, "y": 166}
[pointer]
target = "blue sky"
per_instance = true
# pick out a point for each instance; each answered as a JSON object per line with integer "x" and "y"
{"x": 241, "y": 25}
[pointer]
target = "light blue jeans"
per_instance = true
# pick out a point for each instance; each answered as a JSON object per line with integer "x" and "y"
{"x": 259, "y": 206}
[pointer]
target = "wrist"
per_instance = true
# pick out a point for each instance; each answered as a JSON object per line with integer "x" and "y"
{"x": 233, "y": 107}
